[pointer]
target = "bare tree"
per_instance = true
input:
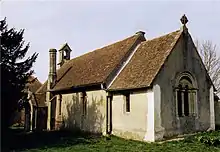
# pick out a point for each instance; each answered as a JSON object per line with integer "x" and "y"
{"x": 208, "y": 53}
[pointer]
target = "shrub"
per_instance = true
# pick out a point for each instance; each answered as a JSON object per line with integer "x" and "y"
{"x": 211, "y": 139}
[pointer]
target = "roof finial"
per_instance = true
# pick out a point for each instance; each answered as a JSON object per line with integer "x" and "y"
{"x": 184, "y": 20}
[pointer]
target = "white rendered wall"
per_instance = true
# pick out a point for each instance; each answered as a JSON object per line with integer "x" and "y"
{"x": 212, "y": 110}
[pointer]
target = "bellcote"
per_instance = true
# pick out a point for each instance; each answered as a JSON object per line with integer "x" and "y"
{"x": 64, "y": 54}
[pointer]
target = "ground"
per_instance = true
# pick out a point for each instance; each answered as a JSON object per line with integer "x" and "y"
{"x": 73, "y": 141}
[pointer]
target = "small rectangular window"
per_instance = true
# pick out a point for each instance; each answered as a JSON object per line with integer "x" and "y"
{"x": 127, "y": 100}
{"x": 84, "y": 102}
{"x": 60, "y": 104}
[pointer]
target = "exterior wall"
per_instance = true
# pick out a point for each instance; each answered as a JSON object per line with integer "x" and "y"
{"x": 133, "y": 124}
{"x": 72, "y": 113}
{"x": 212, "y": 108}
{"x": 166, "y": 79}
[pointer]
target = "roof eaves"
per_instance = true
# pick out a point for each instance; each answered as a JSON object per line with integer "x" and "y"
{"x": 99, "y": 84}
{"x": 130, "y": 89}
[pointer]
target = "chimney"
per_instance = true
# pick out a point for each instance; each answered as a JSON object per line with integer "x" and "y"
{"x": 140, "y": 33}
{"x": 52, "y": 68}
{"x": 141, "y": 36}
{"x": 64, "y": 54}
{"x": 50, "y": 82}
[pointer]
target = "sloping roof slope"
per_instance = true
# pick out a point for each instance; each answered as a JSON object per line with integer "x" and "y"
{"x": 146, "y": 62}
{"x": 93, "y": 67}
{"x": 39, "y": 99}
{"x": 33, "y": 84}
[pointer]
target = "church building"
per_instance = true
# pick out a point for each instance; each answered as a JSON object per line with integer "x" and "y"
{"x": 136, "y": 88}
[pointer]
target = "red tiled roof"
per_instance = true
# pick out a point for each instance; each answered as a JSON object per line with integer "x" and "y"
{"x": 94, "y": 67}
{"x": 146, "y": 62}
{"x": 91, "y": 68}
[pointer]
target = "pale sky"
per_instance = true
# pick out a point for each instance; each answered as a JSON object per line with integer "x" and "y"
{"x": 88, "y": 25}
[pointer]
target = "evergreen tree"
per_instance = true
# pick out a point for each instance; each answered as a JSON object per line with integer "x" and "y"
{"x": 15, "y": 70}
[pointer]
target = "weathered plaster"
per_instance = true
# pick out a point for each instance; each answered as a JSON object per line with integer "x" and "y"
{"x": 72, "y": 113}
{"x": 166, "y": 79}
{"x": 154, "y": 129}
{"x": 133, "y": 124}
{"x": 150, "y": 134}
{"x": 212, "y": 110}
{"x": 159, "y": 130}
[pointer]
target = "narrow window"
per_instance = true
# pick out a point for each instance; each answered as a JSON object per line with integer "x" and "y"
{"x": 60, "y": 104}
{"x": 127, "y": 100}
{"x": 192, "y": 102}
{"x": 84, "y": 102}
{"x": 186, "y": 101}
{"x": 179, "y": 100}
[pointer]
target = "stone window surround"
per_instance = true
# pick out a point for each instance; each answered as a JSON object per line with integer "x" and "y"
{"x": 194, "y": 90}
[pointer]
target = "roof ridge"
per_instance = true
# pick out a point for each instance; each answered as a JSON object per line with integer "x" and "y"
{"x": 101, "y": 47}
{"x": 155, "y": 38}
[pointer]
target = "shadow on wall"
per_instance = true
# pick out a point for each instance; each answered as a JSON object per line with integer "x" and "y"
{"x": 89, "y": 118}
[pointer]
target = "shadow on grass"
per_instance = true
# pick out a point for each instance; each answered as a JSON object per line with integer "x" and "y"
{"x": 18, "y": 140}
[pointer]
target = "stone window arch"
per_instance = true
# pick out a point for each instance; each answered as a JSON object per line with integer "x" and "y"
{"x": 186, "y": 95}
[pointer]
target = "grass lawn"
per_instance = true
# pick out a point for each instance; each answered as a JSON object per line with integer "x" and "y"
{"x": 69, "y": 142}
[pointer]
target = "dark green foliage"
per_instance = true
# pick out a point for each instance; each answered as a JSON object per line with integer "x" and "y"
{"x": 211, "y": 139}
{"x": 15, "y": 70}
{"x": 66, "y": 141}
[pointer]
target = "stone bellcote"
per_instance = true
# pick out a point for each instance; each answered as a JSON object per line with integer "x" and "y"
{"x": 64, "y": 54}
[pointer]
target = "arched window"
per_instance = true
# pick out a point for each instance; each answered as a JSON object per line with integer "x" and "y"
{"x": 186, "y": 92}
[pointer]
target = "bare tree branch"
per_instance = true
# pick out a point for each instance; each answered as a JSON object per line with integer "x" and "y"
{"x": 208, "y": 53}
